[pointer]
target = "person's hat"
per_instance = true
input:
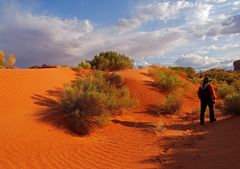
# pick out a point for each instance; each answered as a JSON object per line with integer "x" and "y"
{"x": 206, "y": 79}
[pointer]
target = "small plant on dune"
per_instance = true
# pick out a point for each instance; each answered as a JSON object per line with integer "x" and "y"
{"x": 85, "y": 65}
{"x": 224, "y": 90}
{"x": 82, "y": 65}
{"x": 188, "y": 72}
{"x": 115, "y": 79}
{"x": 232, "y": 103}
{"x": 65, "y": 65}
{"x": 195, "y": 80}
{"x": 90, "y": 101}
{"x": 170, "y": 105}
{"x": 166, "y": 79}
{"x": 11, "y": 61}
{"x": 103, "y": 119}
{"x": 2, "y": 59}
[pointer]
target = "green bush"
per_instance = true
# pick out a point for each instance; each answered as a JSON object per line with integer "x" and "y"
{"x": 111, "y": 61}
{"x": 189, "y": 72}
{"x": 103, "y": 119}
{"x": 171, "y": 104}
{"x": 166, "y": 79}
{"x": 221, "y": 75}
{"x": 224, "y": 90}
{"x": 115, "y": 79}
{"x": 232, "y": 103}
{"x": 85, "y": 65}
{"x": 87, "y": 101}
{"x": 195, "y": 80}
{"x": 82, "y": 65}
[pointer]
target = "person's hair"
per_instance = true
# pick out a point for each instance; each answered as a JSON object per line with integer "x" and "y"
{"x": 205, "y": 81}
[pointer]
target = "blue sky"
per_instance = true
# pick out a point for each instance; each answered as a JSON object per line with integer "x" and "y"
{"x": 198, "y": 33}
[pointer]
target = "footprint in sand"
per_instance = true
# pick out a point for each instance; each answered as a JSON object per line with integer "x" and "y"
{"x": 158, "y": 159}
{"x": 165, "y": 150}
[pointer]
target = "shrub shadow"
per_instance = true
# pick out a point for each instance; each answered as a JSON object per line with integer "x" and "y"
{"x": 51, "y": 112}
{"x": 143, "y": 125}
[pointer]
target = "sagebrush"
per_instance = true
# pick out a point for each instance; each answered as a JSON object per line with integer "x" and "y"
{"x": 111, "y": 61}
{"x": 88, "y": 101}
{"x": 166, "y": 79}
{"x": 232, "y": 103}
{"x": 170, "y": 105}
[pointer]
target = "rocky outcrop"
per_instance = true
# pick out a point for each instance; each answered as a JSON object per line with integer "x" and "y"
{"x": 236, "y": 65}
{"x": 44, "y": 66}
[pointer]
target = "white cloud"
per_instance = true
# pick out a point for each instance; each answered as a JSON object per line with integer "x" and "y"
{"x": 215, "y": 1}
{"x": 232, "y": 25}
{"x": 200, "y": 62}
{"x": 196, "y": 61}
{"x": 224, "y": 47}
{"x": 199, "y": 14}
{"x": 236, "y": 4}
{"x": 154, "y": 11}
{"x": 36, "y": 39}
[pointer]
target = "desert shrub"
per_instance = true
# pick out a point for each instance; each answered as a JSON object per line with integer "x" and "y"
{"x": 87, "y": 101}
{"x": 236, "y": 85}
{"x": 232, "y": 103}
{"x": 65, "y": 65}
{"x": 82, "y": 65}
{"x": 11, "y": 61}
{"x": 115, "y": 79}
{"x": 189, "y": 72}
{"x": 166, "y": 79}
{"x": 221, "y": 75}
{"x": 103, "y": 119}
{"x": 2, "y": 59}
{"x": 85, "y": 65}
{"x": 170, "y": 105}
{"x": 224, "y": 90}
{"x": 110, "y": 61}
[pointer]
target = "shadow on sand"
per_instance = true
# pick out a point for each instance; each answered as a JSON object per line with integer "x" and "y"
{"x": 51, "y": 113}
{"x": 143, "y": 125}
{"x": 198, "y": 146}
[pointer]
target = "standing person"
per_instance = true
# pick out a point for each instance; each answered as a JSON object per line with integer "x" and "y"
{"x": 207, "y": 97}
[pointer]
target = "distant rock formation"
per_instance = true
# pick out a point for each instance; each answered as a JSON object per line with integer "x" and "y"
{"x": 236, "y": 65}
{"x": 44, "y": 66}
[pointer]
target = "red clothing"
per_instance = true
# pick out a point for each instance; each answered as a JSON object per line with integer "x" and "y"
{"x": 213, "y": 94}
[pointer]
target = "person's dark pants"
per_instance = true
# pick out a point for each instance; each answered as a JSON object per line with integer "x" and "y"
{"x": 204, "y": 105}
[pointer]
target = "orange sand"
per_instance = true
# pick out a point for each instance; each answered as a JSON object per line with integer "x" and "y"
{"x": 30, "y": 139}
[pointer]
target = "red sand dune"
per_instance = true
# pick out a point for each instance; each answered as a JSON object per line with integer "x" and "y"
{"x": 31, "y": 138}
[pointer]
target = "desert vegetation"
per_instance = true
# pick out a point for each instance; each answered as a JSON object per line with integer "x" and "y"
{"x": 187, "y": 72}
{"x": 111, "y": 61}
{"x": 166, "y": 79}
{"x": 10, "y": 63}
{"x": 232, "y": 103}
{"x": 171, "y": 104}
{"x": 221, "y": 75}
{"x": 82, "y": 65}
{"x": 90, "y": 101}
{"x": 227, "y": 86}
